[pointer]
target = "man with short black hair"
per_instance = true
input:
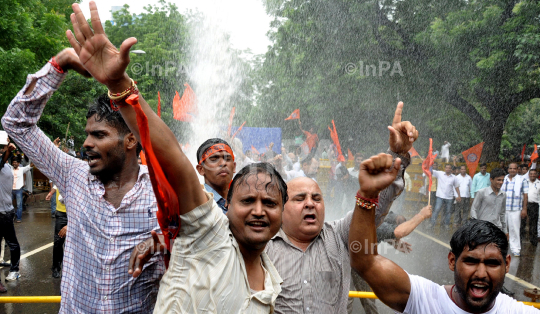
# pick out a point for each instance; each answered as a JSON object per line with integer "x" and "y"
{"x": 479, "y": 259}
{"x": 516, "y": 189}
{"x": 18, "y": 184}
{"x": 480, "y": 180}
{"x": 462, "y": 206}
{"x": 446, "y": 182}
{"x": 215, "y": 162}
{"x": 532, "y": 208}
{"x": 490, "y": 202}
{"x": 109, "y": 202}
{"x": 7, "y": 230}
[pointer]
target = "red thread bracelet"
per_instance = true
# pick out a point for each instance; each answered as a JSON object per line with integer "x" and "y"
{"x": 56, "y": 66}
{"x": 371, "y": 200}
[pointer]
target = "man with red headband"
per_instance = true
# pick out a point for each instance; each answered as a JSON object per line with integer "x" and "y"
{"x": 215, "y": 162}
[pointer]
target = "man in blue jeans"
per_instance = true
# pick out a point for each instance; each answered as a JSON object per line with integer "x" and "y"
{"x": 18, "y": 184}
{"x": 446, "y": 182}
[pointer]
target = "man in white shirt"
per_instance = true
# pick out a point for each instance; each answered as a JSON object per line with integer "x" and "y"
{"x": 446, "y": 182}
{"x": 445, "y": 151}
{"x": 353, "y": 171}
{"x": 532, "y": 209}
{"x": 462, "y": 207}
{"x": 18, "y": 184}
{"x": 479, "y": 259}
{"x": 516, "y": 189}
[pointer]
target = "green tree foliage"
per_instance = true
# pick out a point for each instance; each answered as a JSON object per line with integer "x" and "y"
{"x": 465, "y": 66}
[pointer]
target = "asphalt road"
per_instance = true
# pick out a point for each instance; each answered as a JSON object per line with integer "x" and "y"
{"x": 428, "y": 259}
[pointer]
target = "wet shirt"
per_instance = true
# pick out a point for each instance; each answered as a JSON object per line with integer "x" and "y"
{"x": 220, "y": 201}
{"x": 464, "y": 185}
{"x": 479, "y": 182}
{"x": 101, "y": 238}
{"x": 445, "y": 184}
{"x": 18, "y": 177}
{"x": 318, "y": 280}
{"x": 534, "y": 190}
{"x": 207, "y": 273}
{"x": 6, "y": 187}
{"x": 514, "y": 188}
{"x": 491, "y": 207}
{"x": 429, "y": 297}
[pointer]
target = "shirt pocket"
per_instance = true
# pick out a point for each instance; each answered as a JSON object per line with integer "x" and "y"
{"x": 327, "y": 287}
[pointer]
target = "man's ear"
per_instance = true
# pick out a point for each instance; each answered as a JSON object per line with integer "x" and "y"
{"x": 130, "y": 141}
{"x": 508, "y": 259}
{"x": 451, "y": 261}
{"x": 200, "y": 169}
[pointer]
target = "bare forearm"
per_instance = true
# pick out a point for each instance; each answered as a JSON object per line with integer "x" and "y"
{"x": 408, "y": 226}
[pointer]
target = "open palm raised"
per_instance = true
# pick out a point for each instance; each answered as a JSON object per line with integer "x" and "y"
{"x": 98, "y": 55}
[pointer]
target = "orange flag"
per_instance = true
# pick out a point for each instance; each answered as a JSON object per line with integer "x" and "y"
{"x": 143, "y": 157}
{"x": 472, "y": 157}
{"x": 158, "y": 105}
{"x": 239, "y": 129}
{"x": 231, "y": 120}
{"x": 254, "y": 150}
{"x": 350, "y": 157}
{"x": 335, "y": 138}
{"x": 294, "y": 115}
{"x": 534, "y": 155}
{"x": 413, "y": 152}
{"x": 168, "y": 214}
{"x": 428, "y": 162}
{"x": 523, "y": 152}
{"x": 185, "y": 108}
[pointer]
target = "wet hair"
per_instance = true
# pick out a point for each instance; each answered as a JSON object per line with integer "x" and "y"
{"x": 207, "y": 144}
{"x": 254, "y": 169}
{"x": 533, "y": 170}
{"x": 101, "y": 109}
{"x": 483, "y": 165}
{"x": 497, "y": 172}
{"x": 524, "y": 166}
{"x": 478, "y": 232}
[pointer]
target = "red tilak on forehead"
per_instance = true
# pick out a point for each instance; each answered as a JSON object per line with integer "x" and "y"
{"x": 214, "y": 149}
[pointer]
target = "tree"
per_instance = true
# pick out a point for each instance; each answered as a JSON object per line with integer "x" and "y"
{"x": 477, "y": 57}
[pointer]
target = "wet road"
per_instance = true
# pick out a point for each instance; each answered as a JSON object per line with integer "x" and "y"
{"x": 428, "y": 259}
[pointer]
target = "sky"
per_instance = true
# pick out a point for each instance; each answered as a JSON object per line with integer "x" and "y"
{"x": 245, "y": 20}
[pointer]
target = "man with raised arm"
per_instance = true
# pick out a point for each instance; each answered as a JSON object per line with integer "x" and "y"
{"x": 109, "y": 200}
{"x": 217, "y": 263}
{"x": 479, "y": 259}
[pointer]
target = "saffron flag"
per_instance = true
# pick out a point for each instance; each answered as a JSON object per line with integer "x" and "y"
{"x": 254, "y": 150}
{"x": 143, "y": 157}
{"x": 350, "y": 157}
{"x": 239, "y": 129}
{"x": 168, "y": 213}
{"x": 158, "y": 105}
{"x": 523, "y": 152}
{"x": 294, "y": 115}
{"x": 230, "y": 121}
{"x": 428, "y": 163}
{"x": 413, "y": 152}
{"x": 335, "y": 138}
{"x": 185, "y": 108}
{"x": 534, "y": 155}
{"x": 472, "y": 157}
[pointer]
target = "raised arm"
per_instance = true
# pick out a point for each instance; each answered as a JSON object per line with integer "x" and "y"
{"x": 389, "y": 281}
{"x": 408, "y": 226}
{"x": 7, "y": 152}
{"x": 107, "y": 65}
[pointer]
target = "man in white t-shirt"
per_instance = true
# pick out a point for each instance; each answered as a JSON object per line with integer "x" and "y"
{"x": 479, "y": 259}
{"x": 445, "y": 151}
{"x": 463, "y": 206}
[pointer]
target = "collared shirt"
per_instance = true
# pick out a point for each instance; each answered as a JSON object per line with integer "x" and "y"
{"x": 445, "y": 184}
{"x": 220, "y": 201}
{"x": 534, "y": 189}
{"x": 318, "y": 280}
{"x": 6, "y": 188}
{"x": 353, "y": 172}
{"x": 207, "y": 273}
{"x": 464, "y": 185}
{"x": 100, "y": 238}
{"x": 491, "y": 207}
{"x": 18, "y": 176}
{"x": 479, "y": 182}
{"x": 514, "y": 199}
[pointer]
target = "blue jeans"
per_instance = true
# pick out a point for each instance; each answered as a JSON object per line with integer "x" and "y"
{"x": 18, "y": 195}
{"x": 447, "y": 213}
{"x": 53, "y": 203}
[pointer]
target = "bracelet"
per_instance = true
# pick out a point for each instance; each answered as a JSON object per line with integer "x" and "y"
{"x": 371, "y": 200}
{"x": 125, "y": 93}
{"x": 117, "y": 104}
{"x": 362, "y": 203}
{"x": 56, "y": 66}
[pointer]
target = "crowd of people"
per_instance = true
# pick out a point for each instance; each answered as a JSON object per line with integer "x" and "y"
{"x": 252, "y": 239}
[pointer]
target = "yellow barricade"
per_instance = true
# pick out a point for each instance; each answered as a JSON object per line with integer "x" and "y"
{"x": 56, "y": 299}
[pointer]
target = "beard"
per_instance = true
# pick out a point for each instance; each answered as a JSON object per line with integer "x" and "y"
{"x": 477, "y": 305}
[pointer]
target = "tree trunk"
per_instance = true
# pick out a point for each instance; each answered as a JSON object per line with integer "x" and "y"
{"x": 492, "y": 136}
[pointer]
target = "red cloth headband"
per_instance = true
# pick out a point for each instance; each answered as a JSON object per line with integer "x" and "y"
{"x": 214, "y": 149}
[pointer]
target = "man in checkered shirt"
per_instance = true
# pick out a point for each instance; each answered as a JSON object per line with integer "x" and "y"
{"x": 110, "y": 201}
